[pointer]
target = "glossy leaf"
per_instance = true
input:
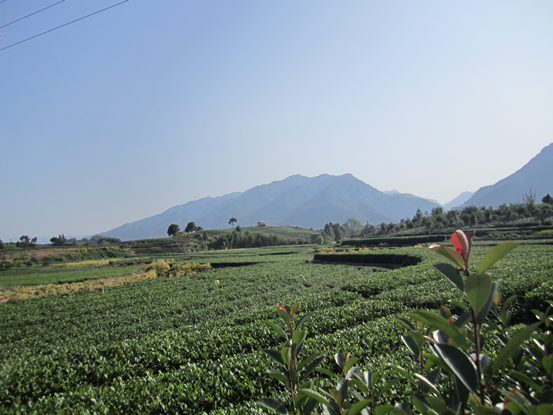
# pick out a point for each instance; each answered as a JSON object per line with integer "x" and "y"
{"x": 477, "y": 289}
{"x": 495, "y": 254}
{"x": 412, "y": 345}
{"x": 313, "y": 366}
{"x": 273, "y": 405}
{"x": 442, "y": 324}
{"x": 315, "y": 395}
{"x": 302, "y": 320}
{"x": 284, "y": 316}
{"x": 357, "y": 407}
{"x": 349, "y": 364}
{"x": 276, "y": 356}
{"x": 286, "y": 354}
{"x": 450, "y": 272}
{"x": 281, "y": 377}
{"x": 512, "y": 346}
{"x": 483, "y": 313}
{"x": 450, "y": 254}
{"x": 384, "y": 409}
{"x": 484, "y": 410}
{"x": 298, "y": 336}
{"x": 294, "y": 309}
{"x": 307, "y": 360}
{"x": 276, "y": 328}
{"x": 460, "y": 364}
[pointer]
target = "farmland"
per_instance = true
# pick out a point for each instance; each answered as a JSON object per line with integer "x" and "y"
{"x": 193, "y": 344}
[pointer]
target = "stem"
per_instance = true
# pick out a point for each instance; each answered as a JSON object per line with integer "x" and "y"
{"x": 477, "y": 345}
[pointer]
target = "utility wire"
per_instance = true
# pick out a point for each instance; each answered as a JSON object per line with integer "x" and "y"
{"x": 63, "y": 25}
{"x": 29, "y": 15}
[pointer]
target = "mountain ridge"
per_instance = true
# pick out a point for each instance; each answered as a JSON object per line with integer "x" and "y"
{"x": 296, "y": 201}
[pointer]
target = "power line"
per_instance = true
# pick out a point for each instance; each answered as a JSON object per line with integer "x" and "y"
{"x": 29, "y": 15}
{"x": 63, "y": 25}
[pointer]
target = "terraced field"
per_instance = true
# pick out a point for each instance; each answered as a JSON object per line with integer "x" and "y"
{"x": 194, "y": 344}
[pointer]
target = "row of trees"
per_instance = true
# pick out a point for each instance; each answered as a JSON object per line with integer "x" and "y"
{"x": 174, "y": 229}
{"x": 439, "y": 219}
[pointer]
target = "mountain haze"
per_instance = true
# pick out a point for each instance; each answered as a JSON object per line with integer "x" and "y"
{"x": 296, "y": 201}
{"x": 537, "y": 175}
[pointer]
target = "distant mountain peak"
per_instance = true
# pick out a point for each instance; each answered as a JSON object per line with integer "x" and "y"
{"x": 297, "y": 200}
{"x": 537, "y": 175}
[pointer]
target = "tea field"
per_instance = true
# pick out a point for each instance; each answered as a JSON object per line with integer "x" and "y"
{"x": 193, "y": 344}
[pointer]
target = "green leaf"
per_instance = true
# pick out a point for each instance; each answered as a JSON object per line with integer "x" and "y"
{"x": 281, "y": 377}
{"x": 495, "y": 254}
{"x": 547, "y": 363}
{"x": 442, "y": 324}
{"x": 303, "y": 319}
{"x": 276, "y": 328}
{"x": 324, "y": 371}
{"x": 450, "y": 272}
{"x": 407, "y": 323}
{"x": 294, "y": 308}
{"x": 484, "y": 410}
{"x": 273, "y": 405}
{"x": 307, "y": 360}
{"x": 483, "y": 313}
{"x": 412, "y": 345}
{"x": 284, "y": 316}
{"x": 298, "y": 336}
{"x": 336, "y": 395}
{"x": 427, "y": 383}
{"x": 276, "y": 356}
{"x": 312, "y": 366}
{"x": 528, "y": 380}
{"x": 340, "y": 358}
{"x": 286, "y": 354}
{"x": 512, "y": 346}
{"x": 460, "y": 364}
{"x": 450, "y": 254}
{"x": 545, "y": 409}
{"x": 315, "y": 395}
{"x": 477, "y": 289}
{"x": 358, "y": 407}
{"x": 351, "y": 361}
{"x": 384, "y": 409}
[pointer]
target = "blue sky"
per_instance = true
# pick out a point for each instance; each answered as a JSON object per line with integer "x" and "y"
{"x": 156, "y": 103}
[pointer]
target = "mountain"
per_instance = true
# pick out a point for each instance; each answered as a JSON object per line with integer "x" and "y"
{"x": 537, "y": 175}
{"x": 395, "y": 192}
{"x": 459, "y": 200}
{"x": 296, "y": 201}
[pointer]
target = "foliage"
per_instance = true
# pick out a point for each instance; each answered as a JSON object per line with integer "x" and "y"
{"x": 58, "y": 240}
{"x": 232, "y": 221}
{"x": 456, "y": 372}
{"x": 173, "y": 229}
{"x": 25, "y": 242}
{"x": 191, "y": 227}
{"x": 188, "y": 345}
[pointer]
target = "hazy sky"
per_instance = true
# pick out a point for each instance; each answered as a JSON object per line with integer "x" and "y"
{"x": 152, "y": 104}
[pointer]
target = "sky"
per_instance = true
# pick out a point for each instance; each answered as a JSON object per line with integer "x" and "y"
{"x": 152, "y": 104}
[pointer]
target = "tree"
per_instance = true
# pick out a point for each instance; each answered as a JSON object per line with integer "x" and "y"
{"x": 1, "y": 244}
{"x": 353, "y": 227}
{"x": 232, "y": 221}
{"x": 58, "y": 240}
{"x": 238, "y": 228}
{"x": 199, "y": 228}
{"x": 173, "y": 229}
{"x": 547, "y": 199}
{"x": 191, "y": 227}
{"x": 24, "y": 241}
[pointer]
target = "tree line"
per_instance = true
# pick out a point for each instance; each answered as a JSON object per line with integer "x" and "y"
{"x": 439, "y": 219}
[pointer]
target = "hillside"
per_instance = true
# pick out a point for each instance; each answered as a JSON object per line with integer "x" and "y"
{"x": 295, "y": 201}
{"x": 537, "y": 175}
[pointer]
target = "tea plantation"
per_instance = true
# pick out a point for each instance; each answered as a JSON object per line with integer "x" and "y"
{"x": 193, "y": 344}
